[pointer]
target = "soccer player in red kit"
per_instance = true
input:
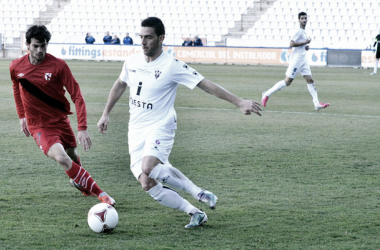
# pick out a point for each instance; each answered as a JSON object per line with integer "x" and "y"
{"x": 39, "y": 84}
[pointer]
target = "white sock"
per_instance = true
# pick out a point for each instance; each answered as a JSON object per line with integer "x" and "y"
{"x": 278, "y": 86}
{"x": 166, "y": 173}
{"x": 376, "y": 65}
{"x": 313, "y": 93}
{"x": 170, "y": 198}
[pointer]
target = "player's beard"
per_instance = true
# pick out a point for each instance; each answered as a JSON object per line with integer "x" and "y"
{"x": 37, "y": 57}
{"x": 153, "y": 50}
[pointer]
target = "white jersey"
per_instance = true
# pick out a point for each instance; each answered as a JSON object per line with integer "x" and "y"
{"x": 153, "y": 88}
{"x": 300, "y": 51}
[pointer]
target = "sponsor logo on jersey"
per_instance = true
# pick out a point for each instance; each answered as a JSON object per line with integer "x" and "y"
{"x": 158, "y": 142}
{"x": 132, "y": 70}
{"x": 21, "y": 75}
{"x": 144, "y": 71}
{"x": 157, "y": 74}
{"x": 47, "y": 76}
{"x": 140, "y": 104}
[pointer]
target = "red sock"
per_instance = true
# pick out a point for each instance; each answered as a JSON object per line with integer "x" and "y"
{"x": 83, "y": 178}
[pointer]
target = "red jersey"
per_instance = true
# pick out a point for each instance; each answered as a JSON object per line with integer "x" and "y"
{"x": 39, "y": 91}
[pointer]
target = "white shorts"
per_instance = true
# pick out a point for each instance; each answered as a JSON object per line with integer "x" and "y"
{"x": 298, "y": 66}
{"x": 156, "y": 142}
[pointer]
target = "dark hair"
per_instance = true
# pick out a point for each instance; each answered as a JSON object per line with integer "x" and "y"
{"x": 301, "y": 14}
{"x": 38, "y": 32}
{"x": 155, "y": 23}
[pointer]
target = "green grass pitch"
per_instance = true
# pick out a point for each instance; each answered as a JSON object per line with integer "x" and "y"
{"x": 294, "y": 178}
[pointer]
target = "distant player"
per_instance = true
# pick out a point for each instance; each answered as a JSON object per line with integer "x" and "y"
{"x": 297, "y": 64}
{"x": 376, "y": 49}
{"x": 39, "y": 84}
{"x": 153, "y": 77}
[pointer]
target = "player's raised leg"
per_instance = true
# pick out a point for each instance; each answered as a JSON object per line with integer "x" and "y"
{"x": 78, "y": 174}
{"x": 72, "y": 153}
{"x": 265, "y": 95}
{"x": 278, "y": 86}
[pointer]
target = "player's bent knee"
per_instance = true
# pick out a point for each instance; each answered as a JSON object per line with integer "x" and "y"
{"x": 146, "y": 170}
{"x": 146, "y": 182}
{"x": 288, "y": 81}
{"x": 146, "y": 186}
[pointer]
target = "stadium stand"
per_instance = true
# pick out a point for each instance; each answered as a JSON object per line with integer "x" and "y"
{"x": 332, "y": 23}
{"x": 208, "y": 19}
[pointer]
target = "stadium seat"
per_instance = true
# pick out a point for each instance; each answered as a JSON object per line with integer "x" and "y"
{"x": 220, "y": 15}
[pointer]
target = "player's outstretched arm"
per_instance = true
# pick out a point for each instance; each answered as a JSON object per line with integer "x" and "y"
{"x": 116, "y": 92}
{"x": 246, "y": 106}
{"x": 84, "y": 139}
{"x": 24, "y": 127}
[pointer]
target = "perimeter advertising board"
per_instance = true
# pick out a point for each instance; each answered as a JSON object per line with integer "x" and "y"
{"x": 368, "y": 59}
{"x": 229, "y": 55}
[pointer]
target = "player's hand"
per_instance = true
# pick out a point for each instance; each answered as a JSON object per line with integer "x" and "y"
{"x": 24, "y": 127}
{"x": 84, "y": 138}
{"x": 308, "y": 40}
{"x": 249, "y": 106}
{"x": 103, "y": 124}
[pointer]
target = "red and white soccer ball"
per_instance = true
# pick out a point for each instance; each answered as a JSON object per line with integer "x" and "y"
{"x": 102, "y": 218}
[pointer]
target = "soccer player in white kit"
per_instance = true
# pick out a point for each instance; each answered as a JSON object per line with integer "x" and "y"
{"x": 153, "y": 77}
{"x": 297, "y": 64}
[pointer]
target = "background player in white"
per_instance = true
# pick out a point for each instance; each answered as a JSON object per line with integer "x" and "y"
{"x": 298, "y": 64}
{"x": 376, "y": 49}
{"x": 153, "y": 77}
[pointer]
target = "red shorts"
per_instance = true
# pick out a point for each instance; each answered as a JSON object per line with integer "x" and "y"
{"x": 56, "y": 132}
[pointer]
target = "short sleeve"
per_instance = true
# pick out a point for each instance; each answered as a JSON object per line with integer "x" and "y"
{"x": 124, "y": 73}
{"x": 185, "y": 75}
{"x": 296, "y": 36}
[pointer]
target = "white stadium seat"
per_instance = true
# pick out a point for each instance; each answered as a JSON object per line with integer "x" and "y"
{"x": 351, "y": 17}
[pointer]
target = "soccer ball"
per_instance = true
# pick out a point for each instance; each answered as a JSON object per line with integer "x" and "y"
{"x": 102, "y": 218}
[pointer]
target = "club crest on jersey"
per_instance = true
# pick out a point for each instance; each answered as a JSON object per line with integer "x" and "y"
{"x": 47, "y": 76}
{"x": 157, "y": 73}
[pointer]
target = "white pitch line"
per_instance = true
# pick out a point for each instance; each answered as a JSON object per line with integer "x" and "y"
{"x": 265, "y": 111}
{"x": 295, "y": 113}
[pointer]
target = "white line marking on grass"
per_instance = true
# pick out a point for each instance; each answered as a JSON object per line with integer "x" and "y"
{"x": 324, "y": 114}
{"x": 295, "y": 113}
